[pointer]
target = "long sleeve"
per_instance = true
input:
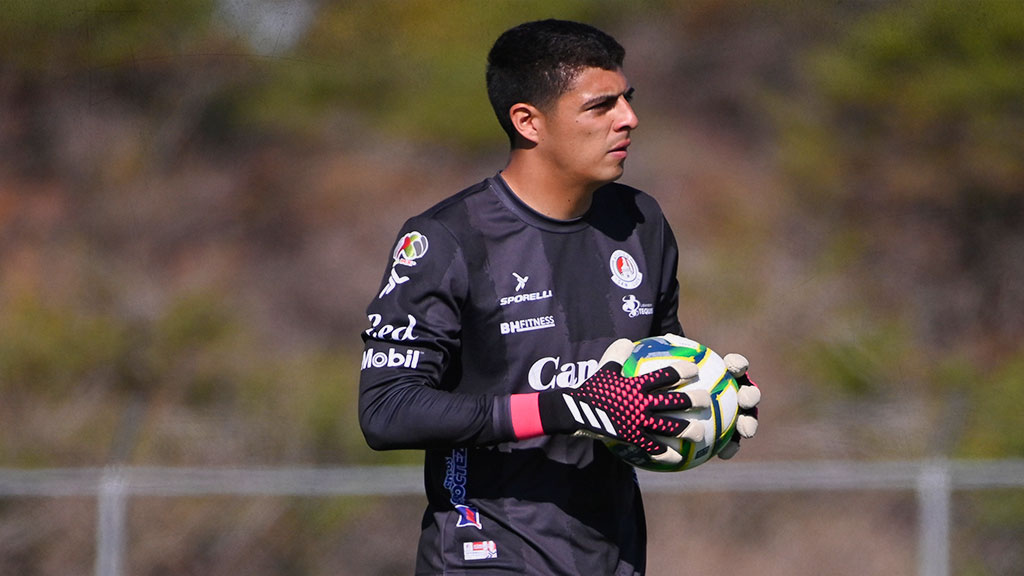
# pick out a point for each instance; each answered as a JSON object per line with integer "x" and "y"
{"x": 411, "y": 352}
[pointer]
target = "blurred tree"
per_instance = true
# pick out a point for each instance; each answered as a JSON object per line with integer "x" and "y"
{"x": 903, "y": 142}
{"x": 73, "y": 37}
{"x": 222, "y": 70}
{"x": 125, "y": 54}
{"x": 907, "y": 140}
{"x": 416, "y": 68}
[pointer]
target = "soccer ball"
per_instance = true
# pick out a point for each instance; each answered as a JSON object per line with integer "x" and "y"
{"x": 719, "y": 419}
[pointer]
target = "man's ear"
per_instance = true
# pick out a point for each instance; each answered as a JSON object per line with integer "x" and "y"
{"x": 527, "y": 120}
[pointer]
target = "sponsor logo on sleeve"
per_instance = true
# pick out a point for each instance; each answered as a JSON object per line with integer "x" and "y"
{"x": 625, "y": 273}
{"x": 392, "y": 358}
{"x": 393, "y": 281}
{"x": 479, "y": 550}
{"x": 397, "y": 333}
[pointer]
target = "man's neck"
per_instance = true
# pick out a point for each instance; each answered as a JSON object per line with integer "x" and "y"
{"x": 541, "y": 188}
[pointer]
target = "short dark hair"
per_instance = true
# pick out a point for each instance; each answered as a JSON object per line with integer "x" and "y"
{"x": 536, "y": 62}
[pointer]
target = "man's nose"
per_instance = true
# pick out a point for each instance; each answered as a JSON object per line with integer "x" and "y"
{"x": 629, "y": 120}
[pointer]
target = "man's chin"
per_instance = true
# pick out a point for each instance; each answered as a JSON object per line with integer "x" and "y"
{"x": 616, "y": 174}
{"x": 610, "y": 175}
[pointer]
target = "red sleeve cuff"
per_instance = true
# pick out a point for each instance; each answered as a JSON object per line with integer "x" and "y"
{"x": 525, "y": 416}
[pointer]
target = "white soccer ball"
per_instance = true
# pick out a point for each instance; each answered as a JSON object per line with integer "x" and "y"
{"x": 719, "y": 419}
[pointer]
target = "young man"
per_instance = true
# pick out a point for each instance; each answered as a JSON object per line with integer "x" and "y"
{"x": 504, "y": 315}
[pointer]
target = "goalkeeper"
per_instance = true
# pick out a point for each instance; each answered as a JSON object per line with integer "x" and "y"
{"x": 496, "y": 338}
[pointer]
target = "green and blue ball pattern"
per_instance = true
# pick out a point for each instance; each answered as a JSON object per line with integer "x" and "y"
{"x": 660, "y": 351}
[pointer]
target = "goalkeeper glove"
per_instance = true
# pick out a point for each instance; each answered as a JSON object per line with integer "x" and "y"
{"x": 748, "y": 396}
{"x": 611, "y": 405}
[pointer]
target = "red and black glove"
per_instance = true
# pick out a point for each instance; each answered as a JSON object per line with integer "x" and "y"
{"x": 611, "y": 405}
{"x": 748, "y": 397}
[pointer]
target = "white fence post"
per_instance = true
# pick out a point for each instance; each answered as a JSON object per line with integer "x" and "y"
{"x": 934, "y": 492}
{"x": 110, "y": 523}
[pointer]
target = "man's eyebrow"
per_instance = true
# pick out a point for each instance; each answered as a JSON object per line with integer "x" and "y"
{"x": 602, "y": 98}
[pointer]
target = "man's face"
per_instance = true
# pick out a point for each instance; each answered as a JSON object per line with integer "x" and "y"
{"x": 586, "y": 131}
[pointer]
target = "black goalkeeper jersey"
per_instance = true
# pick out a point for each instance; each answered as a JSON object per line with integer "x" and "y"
{"x": 482, "y": 298}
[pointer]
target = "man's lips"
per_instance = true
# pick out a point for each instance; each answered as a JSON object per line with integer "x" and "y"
{"x": 620, "y": 149}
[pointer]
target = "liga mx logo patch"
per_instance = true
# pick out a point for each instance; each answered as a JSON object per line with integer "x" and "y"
{"x": 410, "y": 248}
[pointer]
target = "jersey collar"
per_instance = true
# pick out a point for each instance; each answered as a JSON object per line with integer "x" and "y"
{"x": 529, "y": 215}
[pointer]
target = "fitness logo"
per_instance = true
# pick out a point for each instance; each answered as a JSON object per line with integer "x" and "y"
{"x": 528, "y": 325}
{"x": 625, "y": 273}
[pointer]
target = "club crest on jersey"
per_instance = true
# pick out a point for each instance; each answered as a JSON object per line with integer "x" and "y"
{"x": 410, "y": 248}
{"x": 625, "y": 273}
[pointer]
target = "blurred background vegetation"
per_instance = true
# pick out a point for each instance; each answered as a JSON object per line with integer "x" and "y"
{"x": 197, "y": 199}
